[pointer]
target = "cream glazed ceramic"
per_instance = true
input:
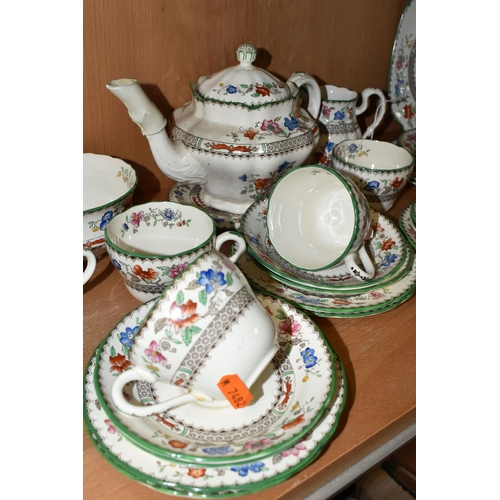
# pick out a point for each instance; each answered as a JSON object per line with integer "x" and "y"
{"x": 387, "y": 248}
{"x": 408, "y": 139}
{"x": 338, "y": 118}
{"x": 216, "y": 481}
{"x": 317, "y": 218}
{"x": 108, "y": 187}
{"x": 151, "y": 244}
{"x": 332, "y": 305}
{"x": 380, "y": 169}
{"x": 190, "y": 195}
{"x": 206, "y": 327}
{"x": 407, "y": 226}
{"x": 402, "y": 87}
{"x": 290, "y": 396}
{"x": 241, "y": 127}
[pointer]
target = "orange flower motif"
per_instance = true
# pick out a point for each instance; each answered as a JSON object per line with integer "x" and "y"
{"x": 262, "y": 183}
{"x": 183, "y": 315}
{"x": 150, "y": 274}
{"x": 119, "y": 363}
{"x": 196, "y": 472}
{"x": 293, "y": 423}
{"x": 397, "y": 182}
{"x": 250, "y": 133}
{"x": 263, "y": 91}
{"x": 388, "y": 244}
{"x": 408, "y": 112}
{"x": 177, "y": 444}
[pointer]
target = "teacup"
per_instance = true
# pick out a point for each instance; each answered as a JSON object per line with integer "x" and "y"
{"x": 408, "y": 140}
{"x": 151, "y": 244}
{"x": 317, "y": 219}
{"x": 108, "y": 186}
{"x": 380, "y": 169}
{"x": 206, "y": 330}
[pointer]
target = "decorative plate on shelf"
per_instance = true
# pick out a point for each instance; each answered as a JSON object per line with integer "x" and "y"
{"x": 402, "y": 72}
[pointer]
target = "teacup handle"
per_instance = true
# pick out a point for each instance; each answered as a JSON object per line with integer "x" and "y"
{"x": 355, "y": 271}
{"x": 232, "y": 236}
{"x": 91, "y": 264}
{"x": 379, "y": 113}
{"x": 124, "y": 406}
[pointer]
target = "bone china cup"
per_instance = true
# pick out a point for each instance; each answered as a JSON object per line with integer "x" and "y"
{"x": 108, "y": 187}
{"x": 380, "y": 169}
{"x": 206, "y": 329}
{"x": 317, "y": 219}
{"x": 151, "y": 244}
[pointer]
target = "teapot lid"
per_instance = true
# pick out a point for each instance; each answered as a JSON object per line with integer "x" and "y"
{"x": 243, "y": 84}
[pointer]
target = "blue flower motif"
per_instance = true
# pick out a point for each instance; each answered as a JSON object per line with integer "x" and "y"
{"x": 291, "y": 123}
{"x": 283, "y": 166}
{"x": 105, "y": 219}
{"x": 221, "y": 450}
{"x": 178, "y": 192}
{"x": 168, "y": 214}
{"x": 117, "y": 264}
{"x": 243, "y": 470}
{"x": 388, "y": 260}
{"x": 209, "y": 279}
{"x": 371, "y": 186}
{"x": 254, "y": 240}
{"x": 308, "y": 300}
{"x": 128, "y": 335}
{"x": 399, "y": 89}
{"x": 243, "y": 177}
{"x": 339, "y": 115}
{"x": 309, "y": 357}
{"x": 125, "y": 226}
{"x": 353, "y": 148}
{"x": 232, "y": 89}
{"x": 329, "y": 146}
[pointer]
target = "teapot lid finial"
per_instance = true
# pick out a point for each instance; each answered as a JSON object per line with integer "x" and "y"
{"x": 246, "y": 53}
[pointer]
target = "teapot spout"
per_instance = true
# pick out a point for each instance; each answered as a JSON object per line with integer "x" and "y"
{"x": 172, "y": 157}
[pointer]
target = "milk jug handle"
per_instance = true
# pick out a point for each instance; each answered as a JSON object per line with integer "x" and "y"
{"x": 302, "y": 79}
{"x": 379, "y": 113}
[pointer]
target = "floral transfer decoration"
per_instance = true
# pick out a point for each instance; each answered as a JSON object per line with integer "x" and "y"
{"x": 159, "y": 471}
{"x": 302, "y": 368}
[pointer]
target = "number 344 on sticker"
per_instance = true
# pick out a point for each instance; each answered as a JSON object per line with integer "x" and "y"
{"x": 235, "y": 391}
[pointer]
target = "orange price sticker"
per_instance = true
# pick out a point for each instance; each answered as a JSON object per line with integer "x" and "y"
{"x": 235, "y": 390}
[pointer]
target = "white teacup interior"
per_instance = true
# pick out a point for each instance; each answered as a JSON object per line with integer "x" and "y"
{"x": 102, "y": 180}
{"x": 373, "y": 155}
{"x": 160, "y": 229}
{"x": 311, "y": 218}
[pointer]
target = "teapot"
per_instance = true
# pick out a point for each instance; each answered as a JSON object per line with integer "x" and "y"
{"x": 241, "y": 130}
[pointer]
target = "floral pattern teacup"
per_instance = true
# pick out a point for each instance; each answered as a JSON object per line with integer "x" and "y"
{"x": 206, "y": 333}
{"x": 380, "y": 169}
{"x": 151, "y": 244}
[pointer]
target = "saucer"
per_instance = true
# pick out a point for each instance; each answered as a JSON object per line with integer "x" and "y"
{"x": 347, "y": 306}
{"x": 188, "y": 194}
{"x": 220, "y": 482}
{"x": 407, "y": 226}
{"x": 403, "y": 269}
{"x": 387, "y": 246}
{"x": 289, "y": 399}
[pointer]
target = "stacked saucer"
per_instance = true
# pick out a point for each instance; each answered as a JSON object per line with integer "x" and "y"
{"x": 408, "y": 223}
{"x": 194, "y": 452}
{"x": 332, "y": 292}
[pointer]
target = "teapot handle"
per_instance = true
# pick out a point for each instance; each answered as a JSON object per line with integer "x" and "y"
{"x": 379, "y": 113}
{"x": 302, "y": 79}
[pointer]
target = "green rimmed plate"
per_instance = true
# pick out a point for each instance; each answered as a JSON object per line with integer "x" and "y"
{"x": 406, "y": 225}
{"x": 356, "y": 305}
